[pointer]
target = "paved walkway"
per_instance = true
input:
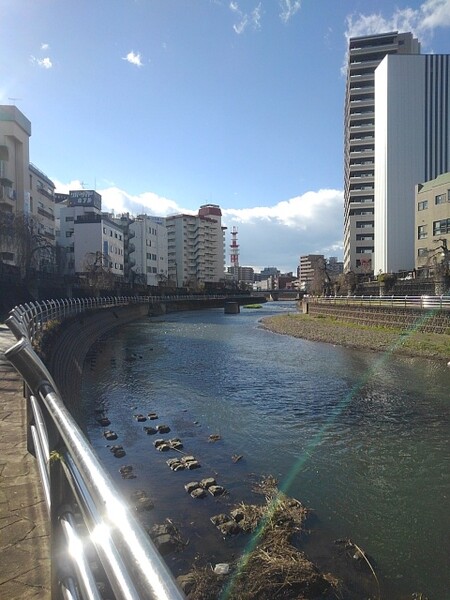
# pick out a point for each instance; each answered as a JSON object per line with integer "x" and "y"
{"x": 24, "y": 540}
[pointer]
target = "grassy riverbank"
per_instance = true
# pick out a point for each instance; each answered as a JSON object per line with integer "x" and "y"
{"x": 381, "y": 339}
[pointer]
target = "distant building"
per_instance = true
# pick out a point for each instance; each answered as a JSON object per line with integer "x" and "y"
{"x": 334, "y": 266}
{"x": 42, "y": 207}
{"x": 432, "y": 223}
{"x": 150, "y": 254}
{"x": 196, "y": 247}
{"x": 90, "y": 240}
{"x": 244, "y": 274}
{"x": 309, "y": 265}
{"x": 269, "y": 272}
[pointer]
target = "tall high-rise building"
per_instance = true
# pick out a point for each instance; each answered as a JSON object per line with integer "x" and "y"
{"x": 412, "y": 130}
{"x": 364, "y": 55}
{"x": 196, "y": 247}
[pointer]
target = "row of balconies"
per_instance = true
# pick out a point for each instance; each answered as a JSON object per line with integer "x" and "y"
{"x": 45, "y": 213}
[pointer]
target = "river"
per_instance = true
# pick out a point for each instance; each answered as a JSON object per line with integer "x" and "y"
{"x": 359, "y": 437}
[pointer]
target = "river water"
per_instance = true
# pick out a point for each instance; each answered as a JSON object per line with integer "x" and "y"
{"x": 359, "y": 437}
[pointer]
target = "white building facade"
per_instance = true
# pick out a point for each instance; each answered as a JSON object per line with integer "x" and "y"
{"x": 412, "y": 133}
{"x": 149, "y": 245}
{"x": 196, "y": 247}
{"x": 89, "y": 238}
{"x": 364, "y": 55}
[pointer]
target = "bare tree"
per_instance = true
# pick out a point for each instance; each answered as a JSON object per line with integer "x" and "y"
{"x": 21, "y": 236}
{"x": 98, "y": 272}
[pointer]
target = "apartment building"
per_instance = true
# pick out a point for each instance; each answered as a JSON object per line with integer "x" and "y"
{"x": 364, "y": 55}
{"x": 89, "y": 238}
{"x": 412, "y": 125}
{"x": 432, "y": 223}
{"x": 149, "y": 246}
{"x": 309, "y": 265}
{"x": 196, "y": 247}
{"x": 42, "y": 208}
{"x": 15, "y": 132}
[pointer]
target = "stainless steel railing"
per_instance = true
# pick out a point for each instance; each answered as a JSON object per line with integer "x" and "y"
{"x": 424, "y": 302}
{"x": 87, "y": 516}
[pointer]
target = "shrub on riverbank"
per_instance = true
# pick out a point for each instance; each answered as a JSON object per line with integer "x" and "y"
{"x": 380, "y": 339}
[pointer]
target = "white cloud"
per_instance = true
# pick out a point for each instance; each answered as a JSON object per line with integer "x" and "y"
{"x": 44, "y": 63}
{"x": 268, "y": 235}
{"x": 252, "y": 19}
{"x": 421, "y": 21}
{"x": 277, "y": 235}
{"x": 45, "y": 47}
{"x": 133, "y": 58}
{"x": 289, "y": 8}
{"x": 118, "y": 201}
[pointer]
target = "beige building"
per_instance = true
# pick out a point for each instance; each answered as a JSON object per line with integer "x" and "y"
{"x": 196, "y": 247}
{"x": 309, "y": 266}
{"x": 364, "y": 55}
{"x": 15, "y": 132}
{"x": 27, "y": 203}
{"x": 432, "y": 223}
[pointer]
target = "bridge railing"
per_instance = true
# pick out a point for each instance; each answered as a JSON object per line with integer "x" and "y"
{"x": 87, "y": 516}
{"x": 424, "y": 302}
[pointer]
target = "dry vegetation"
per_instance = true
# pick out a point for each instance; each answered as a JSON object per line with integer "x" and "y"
{"x": 272, "y": 567}
{"x": 380, "y": 339}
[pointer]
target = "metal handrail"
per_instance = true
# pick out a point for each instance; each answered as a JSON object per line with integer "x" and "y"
{"x": 424, "y": 302}
{"x": 74, "y": 480}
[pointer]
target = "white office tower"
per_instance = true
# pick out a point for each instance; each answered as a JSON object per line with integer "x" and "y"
{"x": 364, "y": 55}
{"x": 412, "y": 132}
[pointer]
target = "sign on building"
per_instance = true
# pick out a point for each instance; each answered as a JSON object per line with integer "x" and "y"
{"x": 85, "y": 198}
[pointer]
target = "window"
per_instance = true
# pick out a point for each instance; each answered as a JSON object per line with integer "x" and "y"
{"x": 441, "y": 227}
{"x": 440, "y": 199}
{"x": 104, "y": 229}
{"x": 423, "y": 205}
{"x": 69, "y": 219}
{"x": 421, "y": 252}
{"x": 149, "y": 256}
{"x": 364, "y": 250}
{"x": 69, "y": 233}
{"x": 422, "y": 232}
{"x": 154, "y": 270}
{"x": 361, "y": 237}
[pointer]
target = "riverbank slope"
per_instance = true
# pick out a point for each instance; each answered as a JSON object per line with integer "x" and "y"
{"x": 380, "y": 339}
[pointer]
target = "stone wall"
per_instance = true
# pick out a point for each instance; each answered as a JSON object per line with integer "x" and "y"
{"x": 430, "y": 321}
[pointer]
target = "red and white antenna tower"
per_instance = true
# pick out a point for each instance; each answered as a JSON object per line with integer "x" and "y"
{"x": 234, "y": 253}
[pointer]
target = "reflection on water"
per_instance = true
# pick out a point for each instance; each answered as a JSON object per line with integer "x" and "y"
{"x": 361, "y": 438}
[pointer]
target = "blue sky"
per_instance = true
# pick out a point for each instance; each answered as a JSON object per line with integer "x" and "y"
{"x": 164, "y": 105}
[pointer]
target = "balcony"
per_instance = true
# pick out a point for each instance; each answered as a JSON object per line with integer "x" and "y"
{"x": 45, "y": 192}
{"x": 45, "y": 213}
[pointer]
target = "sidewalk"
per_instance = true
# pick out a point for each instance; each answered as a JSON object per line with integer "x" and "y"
{"x": 24, "y": 527}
